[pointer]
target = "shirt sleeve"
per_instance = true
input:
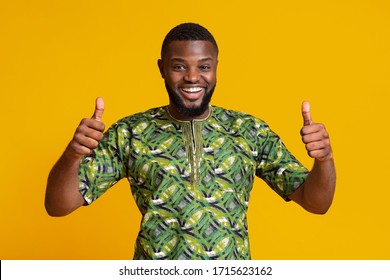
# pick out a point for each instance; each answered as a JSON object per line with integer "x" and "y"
{"x": 277, "y": 166}
{"x": 106, "y": 165}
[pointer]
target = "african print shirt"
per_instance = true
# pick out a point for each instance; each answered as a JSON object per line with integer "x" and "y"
{"x": 191, "y": 180}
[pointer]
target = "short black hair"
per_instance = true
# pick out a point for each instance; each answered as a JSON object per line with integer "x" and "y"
{"x": 188, "y": 32}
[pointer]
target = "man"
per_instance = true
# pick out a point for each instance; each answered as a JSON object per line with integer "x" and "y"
{"x": 190, "y": 165}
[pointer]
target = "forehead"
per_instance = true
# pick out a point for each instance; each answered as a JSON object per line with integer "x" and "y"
{"x": 190, "y": 49}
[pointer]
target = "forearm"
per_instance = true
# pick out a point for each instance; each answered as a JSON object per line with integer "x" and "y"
{"x": 62, "y": 191}
{"x": 318, "y": 190}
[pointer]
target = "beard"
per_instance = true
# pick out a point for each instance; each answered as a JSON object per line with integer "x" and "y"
{"x": 190, "y": 111}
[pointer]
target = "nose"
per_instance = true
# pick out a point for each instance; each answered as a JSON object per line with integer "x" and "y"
{"x": 192, "y": 75}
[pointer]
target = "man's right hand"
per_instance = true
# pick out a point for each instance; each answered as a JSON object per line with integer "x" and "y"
{"x": 62, "y": 190}
{"x": 89, "y": 132}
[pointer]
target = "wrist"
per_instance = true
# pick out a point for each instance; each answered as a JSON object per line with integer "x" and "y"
{"x": 324, "y": 161}
{"x": 71, "y": 155}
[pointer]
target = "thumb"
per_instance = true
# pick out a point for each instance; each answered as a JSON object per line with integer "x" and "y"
{"x": 99, "y": 109}
{"x": 306, "y": 113}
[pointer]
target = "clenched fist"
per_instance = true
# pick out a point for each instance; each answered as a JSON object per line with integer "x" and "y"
{"x": 314, "y": 136}
{"x": 89, "y": 132}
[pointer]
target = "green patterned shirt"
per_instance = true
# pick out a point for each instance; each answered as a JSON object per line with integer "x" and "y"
{"x": 191, "y": 180}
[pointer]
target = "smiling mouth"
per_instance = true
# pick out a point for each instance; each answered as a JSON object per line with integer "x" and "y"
{"x": 192, "y": 89}
{"x": 192, "y": 94}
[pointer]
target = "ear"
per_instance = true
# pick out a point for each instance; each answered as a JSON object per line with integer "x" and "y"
{"x": 160, "y": 64}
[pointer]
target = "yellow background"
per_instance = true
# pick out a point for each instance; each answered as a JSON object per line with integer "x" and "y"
{"x": 57, "y": 56}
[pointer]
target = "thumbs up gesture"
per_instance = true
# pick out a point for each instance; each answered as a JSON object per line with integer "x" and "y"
{"x": 89, "y": 132}
{"x": 314, "y": 136}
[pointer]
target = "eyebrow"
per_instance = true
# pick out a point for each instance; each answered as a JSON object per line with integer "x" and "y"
{"x": 178, "y": 59}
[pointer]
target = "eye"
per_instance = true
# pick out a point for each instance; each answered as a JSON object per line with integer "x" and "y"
{"x": 205, "y": 67}
{"x": 178, "y": 67}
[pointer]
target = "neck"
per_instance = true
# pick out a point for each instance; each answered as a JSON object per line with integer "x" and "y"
{"x": 179, "y": 116}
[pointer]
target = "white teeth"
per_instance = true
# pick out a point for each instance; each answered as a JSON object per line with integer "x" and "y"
{"x": 194, "y": 89}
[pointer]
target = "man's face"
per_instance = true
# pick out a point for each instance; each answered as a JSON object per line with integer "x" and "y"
{"x": 189, "y": 69}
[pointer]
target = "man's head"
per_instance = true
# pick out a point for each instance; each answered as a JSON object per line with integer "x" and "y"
{"x": 188, "y": 64}
{"x": 188, "y": 32}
